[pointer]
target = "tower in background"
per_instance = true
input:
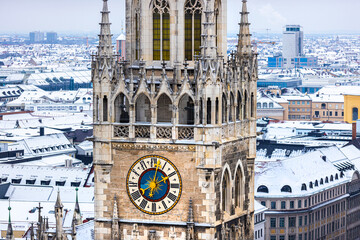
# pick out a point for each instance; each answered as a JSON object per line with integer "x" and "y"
{"x": 293, "y": 44}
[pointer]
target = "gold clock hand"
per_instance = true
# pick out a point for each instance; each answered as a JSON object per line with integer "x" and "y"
{"x": 157, "y": 167}
{"x": 143, "y": 190}
{"x": 163, "y": 180}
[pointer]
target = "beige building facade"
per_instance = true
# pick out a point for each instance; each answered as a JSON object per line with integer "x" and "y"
{"x": 174, "y": 140}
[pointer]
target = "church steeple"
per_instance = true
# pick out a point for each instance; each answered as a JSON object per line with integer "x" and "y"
{"x": 77, "y": 213}
{"x": 105, "y": 42}
{"x": 59, "y": 217}
{"x": 244, "y": 42}
{"x": 9, "y": 232}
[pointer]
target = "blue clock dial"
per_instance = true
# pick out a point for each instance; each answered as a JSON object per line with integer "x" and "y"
{"x": 154, "y": 184}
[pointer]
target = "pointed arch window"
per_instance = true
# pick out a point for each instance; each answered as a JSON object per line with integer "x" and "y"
{"x": 161, "y": 30}
{"x": 193, "y": 11}
{"x": 217, "y": 13}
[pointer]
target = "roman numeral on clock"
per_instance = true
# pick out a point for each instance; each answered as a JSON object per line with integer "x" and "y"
{"x": 132, "y": 184}
{"x": 164, "y": 204}
{"x": 175, "y": 185}
{"x": 135, "y": 195}
{"x": 143, "y": 204}
{"x": 154, "y": 207}
{"x": 135, "y": 173}
{"x": 171, "y": 174}
{"x": 143, "y": 165}
{"x": 172, "y": 197}
{"x": 153, "y": 162}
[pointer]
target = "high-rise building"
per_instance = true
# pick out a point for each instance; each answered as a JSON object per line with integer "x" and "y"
{"x": 174, "y": 135}
{"x": 293, "y": 44}
{"x": 36, "y": 37}
{"x": 121, "y": 46}
{"x": 51, "y": 37}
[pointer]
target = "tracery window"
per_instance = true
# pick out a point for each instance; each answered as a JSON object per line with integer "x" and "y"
{"x": 193, "y": 11}
{"x": 161, "y": 30}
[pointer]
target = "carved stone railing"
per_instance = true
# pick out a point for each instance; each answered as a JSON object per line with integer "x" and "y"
{"x": 164, "y": 132}
{"x": 142, "y": 131}
{"x": 186, "y": 133}
{"x": 121, "y": 131}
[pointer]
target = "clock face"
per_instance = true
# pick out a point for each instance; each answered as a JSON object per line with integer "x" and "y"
{"x": 154, "y": 184}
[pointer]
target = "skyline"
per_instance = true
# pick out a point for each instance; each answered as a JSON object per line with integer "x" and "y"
{"x": 330, "y": 16}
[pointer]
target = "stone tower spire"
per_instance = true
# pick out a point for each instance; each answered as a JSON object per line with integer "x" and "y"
{"x": 244, "y": 42}
{"x": 59, "y": 217}
{"x": 208, "y": 38}
{"x": 105, "y": 42}
{"x": 9, "y": 232}
{"x": 77, "y": 213}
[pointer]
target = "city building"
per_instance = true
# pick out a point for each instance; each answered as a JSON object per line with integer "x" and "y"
{"x": 259, "y": 226}
{"x": 121, "y": 46}
{"x": 351, "y": 107}
{"x": 293, "y": 44}
{"x": 310, "y": 199}
{"x": 36, "y": 37}
{"x": 174, "y": 146}
{"x": 51, "y": 37}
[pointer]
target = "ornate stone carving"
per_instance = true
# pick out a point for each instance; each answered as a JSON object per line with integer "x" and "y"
{"x": 121, "y": 131}
{"x": 164, "y": 132}
{"x": 142, "y": 131}
{"x": 185, "y": 133}
{"x": 162, "y": 147}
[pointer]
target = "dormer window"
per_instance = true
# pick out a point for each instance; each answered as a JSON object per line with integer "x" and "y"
{"x": 286, "y": 188}
{"x": 303, "y": 187}
{"x": 263, "y": 189}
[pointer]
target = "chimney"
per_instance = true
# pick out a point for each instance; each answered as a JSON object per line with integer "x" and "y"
{"x": 68, "y": 163}
{"x": 354, "y": 131}
{"x": 42, "y": 131}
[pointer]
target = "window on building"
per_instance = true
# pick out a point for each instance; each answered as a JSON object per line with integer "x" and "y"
{"x": 299, "y": 203}
{"x": 282, "y": 222}
{"x": 283, "y": 204}
{"x": 258, "y": 105}
{"x": 226, "y": 193}
{"x": 292, "y": 221}
{"x": 292, "y": 204}
{"x": 330, "y": 113}
{"x": 273, "y": 222}
{"x": 355, "y": 114}
{"x": 273, "y": 205}
{"x": 300, "y": 221}
{"x": 161, "y": 31}
{"x": 323, "y": 106}
{"x": 272, "y": 237}
{"x": 263, "y": 203}
{"x": 286, "y": 188}
{"x": 193, "y": 11}
{"x": 305, "y": 220}
{"x": 263, "y": 189}
{"x": 281, "y": 237}
{"x": 292, "y": 237}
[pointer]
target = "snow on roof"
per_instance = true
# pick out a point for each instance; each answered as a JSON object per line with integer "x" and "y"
{"x": 86, "y": 145}
{"x": 295, "y": 172}
{"x": 259, "y": 207}
{"x": 339, "y": 90}
{"x": 121, "y": 37}
{"x": 43, "y": 173}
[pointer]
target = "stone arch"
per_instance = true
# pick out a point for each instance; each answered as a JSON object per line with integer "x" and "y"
{"x": 239, "y": 184}
{"x": 239, "y": 106}
{"x": 121, "y": 107}
{"x": 224, "y": 108}
{"x": 226, "y": 191}
{"x": 142, "y": 108}
{"x": 105, "y": 108}
{"x": 245, "y": 106}
{"x": 252, "y": 105}
{"x": 164, "y": 109}
{"x": 186, "y": 108}
{"x": 231, "y": 108}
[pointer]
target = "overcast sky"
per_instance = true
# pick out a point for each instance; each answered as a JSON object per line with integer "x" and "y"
{"x": 316, "y": 16}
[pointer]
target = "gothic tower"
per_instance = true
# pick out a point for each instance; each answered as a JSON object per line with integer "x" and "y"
{"x": 175, "y": 125}
{"x": 59, "y": 217}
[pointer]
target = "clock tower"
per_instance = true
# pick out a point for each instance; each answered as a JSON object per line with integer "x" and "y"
{"x": 174, "y": 125}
